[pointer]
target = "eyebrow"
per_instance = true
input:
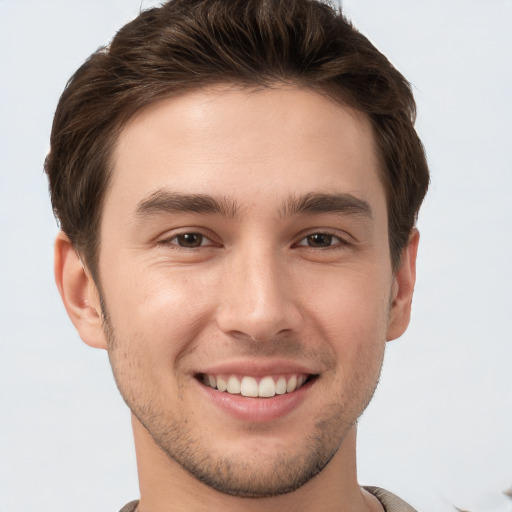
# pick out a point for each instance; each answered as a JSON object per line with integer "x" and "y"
{"x": 165, "y": 201}
{"x": 318, "y": 203}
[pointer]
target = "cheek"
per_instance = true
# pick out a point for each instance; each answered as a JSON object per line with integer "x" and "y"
{"x": 157, "y": 313}
{"x": 349, "y": 305}
{"x": 349, "y": 312}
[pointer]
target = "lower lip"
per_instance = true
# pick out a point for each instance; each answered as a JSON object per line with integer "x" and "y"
{"x": 257, "y": 410}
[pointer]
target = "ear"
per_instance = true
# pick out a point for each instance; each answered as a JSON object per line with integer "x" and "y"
{"x": 403, "y": 289}
{"x": 79, "y": 293}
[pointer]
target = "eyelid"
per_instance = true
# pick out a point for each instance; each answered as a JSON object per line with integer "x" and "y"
{"x": 344, "y": 238}
{"x": 204, "y": 240}
{"x": 206, "y": 234}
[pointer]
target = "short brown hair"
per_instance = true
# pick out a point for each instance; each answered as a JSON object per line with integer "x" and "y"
{"x": 190, "y": 44}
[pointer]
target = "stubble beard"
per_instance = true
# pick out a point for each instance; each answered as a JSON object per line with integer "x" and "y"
{"x": 262, "y": 475}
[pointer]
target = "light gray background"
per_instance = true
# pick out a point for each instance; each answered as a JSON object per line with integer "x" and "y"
{"x": 439, "y": 431}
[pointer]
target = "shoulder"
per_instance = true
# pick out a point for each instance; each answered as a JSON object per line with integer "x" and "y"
{"x": 390, "y": 501}
{"x": 130, "y": 507}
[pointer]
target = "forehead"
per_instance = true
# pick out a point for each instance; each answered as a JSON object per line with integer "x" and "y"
{"x": 255, "y": 145}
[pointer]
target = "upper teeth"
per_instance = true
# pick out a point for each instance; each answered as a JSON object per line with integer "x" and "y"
{"x": 249, "y": 386}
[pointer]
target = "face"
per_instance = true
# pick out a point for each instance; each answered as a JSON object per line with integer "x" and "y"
{"x": 246, "y": 281}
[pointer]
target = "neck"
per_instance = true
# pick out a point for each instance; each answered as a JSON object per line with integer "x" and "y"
{"x": 166, "y": 486}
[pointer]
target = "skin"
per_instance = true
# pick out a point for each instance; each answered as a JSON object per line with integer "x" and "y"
{"x": 255, "y": 294}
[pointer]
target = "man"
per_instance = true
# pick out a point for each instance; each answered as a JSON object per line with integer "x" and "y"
{"x": 237, "y": 184}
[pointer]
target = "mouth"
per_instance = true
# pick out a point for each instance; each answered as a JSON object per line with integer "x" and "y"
{"x": 256, "y": 387}
{"x": 257, "y": 391}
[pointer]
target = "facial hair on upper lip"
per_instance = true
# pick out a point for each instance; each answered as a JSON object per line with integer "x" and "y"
{"x": 283, "y": 348}
{"x": 236, "y": 474}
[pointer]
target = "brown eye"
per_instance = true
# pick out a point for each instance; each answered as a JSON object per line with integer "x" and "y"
{"x": 319, "y": 240}
{"x": 189, "y": 240}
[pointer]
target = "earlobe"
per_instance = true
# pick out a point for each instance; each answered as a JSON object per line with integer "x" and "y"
{"x": 79, "y": 293}
{"x": 403, "y": 289}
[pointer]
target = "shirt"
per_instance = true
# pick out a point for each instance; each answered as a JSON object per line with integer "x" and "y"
{"x": 388, "y": 500}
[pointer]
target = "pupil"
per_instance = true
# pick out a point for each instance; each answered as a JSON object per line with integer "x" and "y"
{"x": 320, "y": 240}
{"x": 190, "y": 240}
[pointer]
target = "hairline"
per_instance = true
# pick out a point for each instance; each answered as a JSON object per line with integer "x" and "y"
{"x": 329, "y": 91}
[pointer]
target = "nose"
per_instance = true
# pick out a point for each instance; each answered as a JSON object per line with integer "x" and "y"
{"x": 257, "y": 298}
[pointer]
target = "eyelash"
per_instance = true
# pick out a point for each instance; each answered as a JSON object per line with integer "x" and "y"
{"x": 340, "y": 242}
{"x": 172, "y": 240}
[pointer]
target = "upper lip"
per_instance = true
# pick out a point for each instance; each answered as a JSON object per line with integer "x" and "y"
{"x": 257, "y": 368}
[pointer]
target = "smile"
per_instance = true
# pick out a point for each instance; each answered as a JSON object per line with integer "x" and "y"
{"x": 255, "y": 387}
